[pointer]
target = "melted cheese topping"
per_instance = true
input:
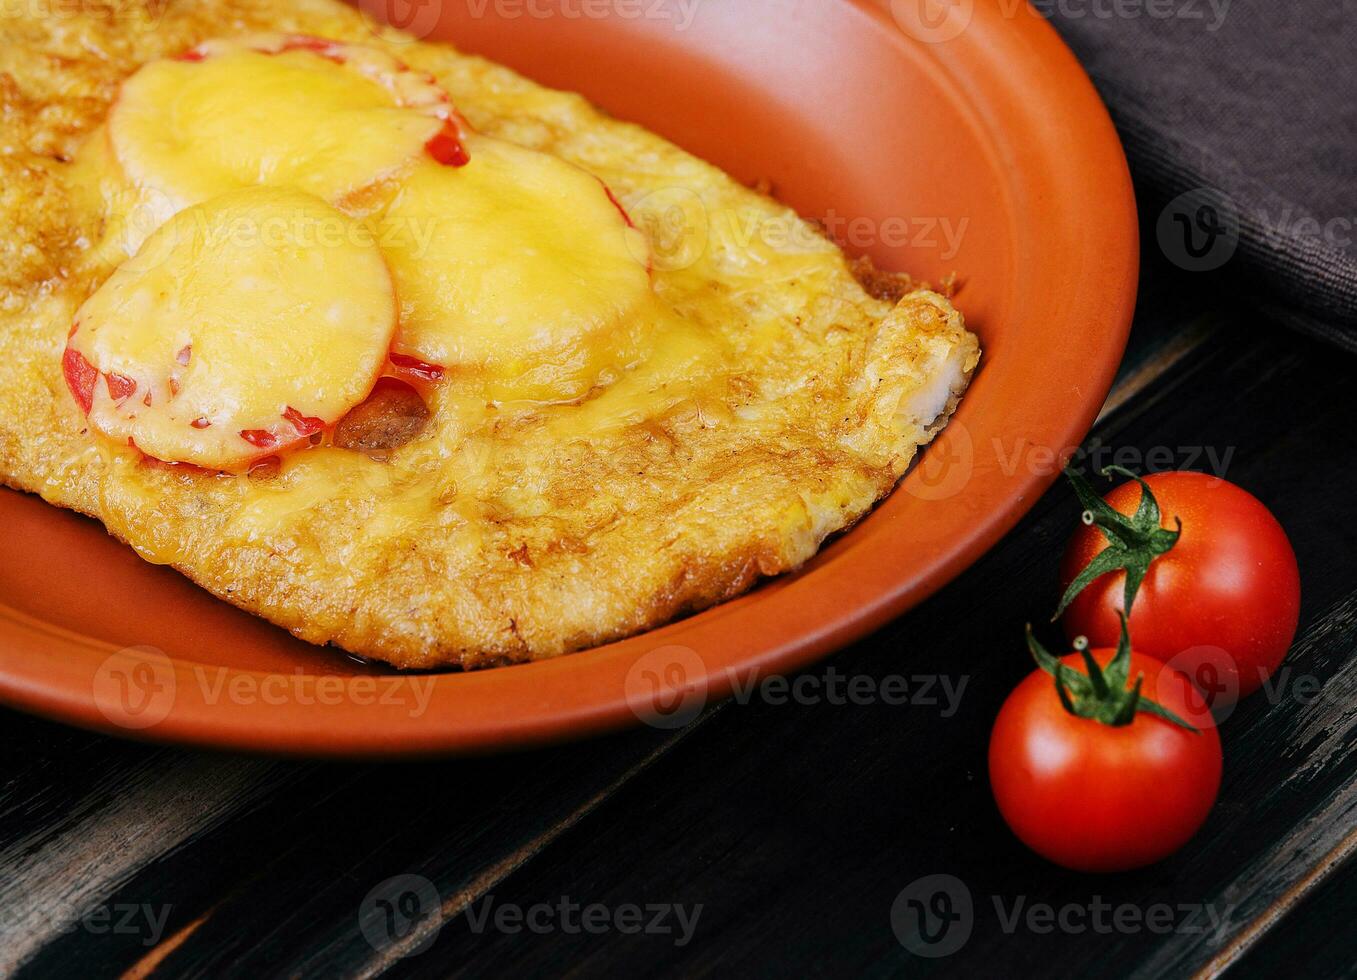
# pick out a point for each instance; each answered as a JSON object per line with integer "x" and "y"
{"x": 517, "y": 272}
{"x": 518, "y": 267}
{"x": 330, "y": 123}
{"x": 520, "y": 274}
{"x": 227, "y": 336}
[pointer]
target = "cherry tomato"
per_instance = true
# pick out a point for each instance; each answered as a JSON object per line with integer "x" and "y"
{"x": 1222, "y": 604}
{"x": 1094, "y": 796}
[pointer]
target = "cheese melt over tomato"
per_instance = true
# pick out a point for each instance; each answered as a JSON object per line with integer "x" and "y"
{"x": 323, "y": 117}
{"x": 256, "y": 314}
{"x": 243, "y": 325}
{"x": 520, "y": 268}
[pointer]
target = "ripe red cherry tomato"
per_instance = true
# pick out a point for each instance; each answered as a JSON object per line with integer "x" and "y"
{"x": 1093, "y": 796}
{"x": 1222, "y": 604}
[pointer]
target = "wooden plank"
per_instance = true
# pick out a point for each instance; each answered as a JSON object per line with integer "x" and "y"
{"x": 795, "y": 827}
{"x": 1140, "y": 372}
{"x": 283, "y": 880}
{"x": 80, "y": 815}
{"x": 276, "y": 856}
{"x": 1271, "y": 887}
{"x": 1315, "y": 940}
{"x": 1174, "y": 317}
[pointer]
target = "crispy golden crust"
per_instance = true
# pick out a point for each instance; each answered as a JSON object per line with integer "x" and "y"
{"x": 497, "y": 534}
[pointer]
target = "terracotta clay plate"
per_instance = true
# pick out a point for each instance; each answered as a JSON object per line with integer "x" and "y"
{"x": 959, "y": 137}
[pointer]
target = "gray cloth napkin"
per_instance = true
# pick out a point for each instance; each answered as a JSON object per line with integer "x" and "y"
{"x": 1239, "y": 119}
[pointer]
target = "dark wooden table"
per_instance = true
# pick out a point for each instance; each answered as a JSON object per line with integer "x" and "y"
{"x": 793, "y": 826}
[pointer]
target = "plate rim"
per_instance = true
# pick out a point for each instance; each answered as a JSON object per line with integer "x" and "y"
{"x": 589, "y": 692}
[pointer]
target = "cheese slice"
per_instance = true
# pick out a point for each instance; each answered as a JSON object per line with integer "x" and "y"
{"x": 273, "y": 110}
{"x": 242, "y": 326}
{"x": 519, "y": 269}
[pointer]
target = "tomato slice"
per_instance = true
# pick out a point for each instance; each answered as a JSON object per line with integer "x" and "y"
{"x": 80, "y": 377}
{"x": 217, "y": 395}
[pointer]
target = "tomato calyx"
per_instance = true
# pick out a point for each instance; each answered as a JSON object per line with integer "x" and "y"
{"x": 1101, "y": 695}
{"x": 1133, "y": 543}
